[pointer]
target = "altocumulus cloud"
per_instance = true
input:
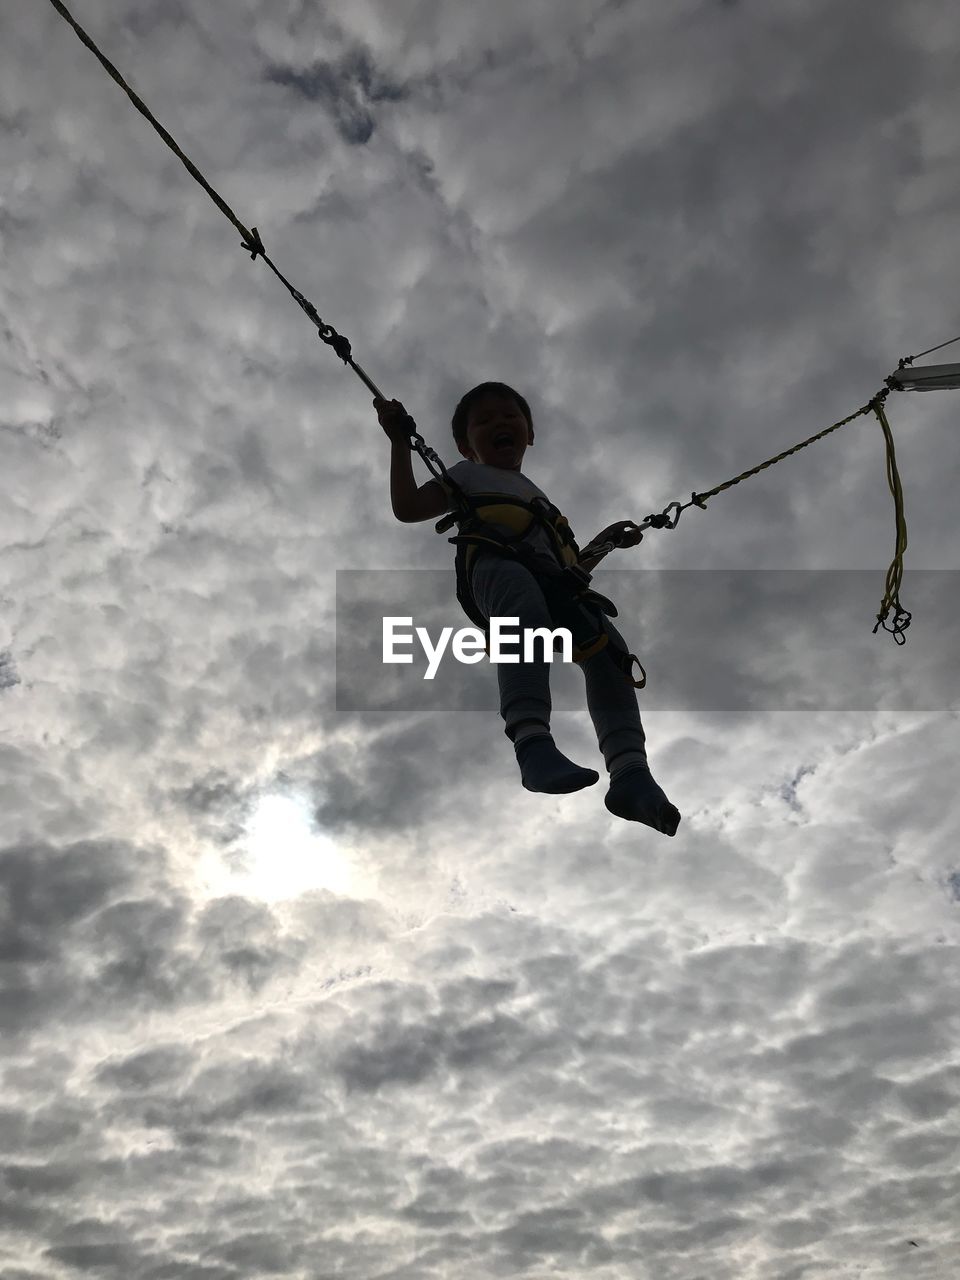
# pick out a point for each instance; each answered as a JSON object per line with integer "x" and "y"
{"x": 516, "y": 1037}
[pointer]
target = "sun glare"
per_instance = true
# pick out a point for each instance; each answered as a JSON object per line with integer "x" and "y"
{"x": 285, "y": 855}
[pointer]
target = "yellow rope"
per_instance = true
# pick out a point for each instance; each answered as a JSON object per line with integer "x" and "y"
{"x": 700, "y": 498}
{"x": 667, "y": 519}
{"x": 891, "y": 598}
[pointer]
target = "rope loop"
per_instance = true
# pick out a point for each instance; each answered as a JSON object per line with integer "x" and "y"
{"x": 901, "y": 620}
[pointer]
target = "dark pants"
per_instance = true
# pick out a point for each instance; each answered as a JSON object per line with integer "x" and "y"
{"x": 503, "y": 588}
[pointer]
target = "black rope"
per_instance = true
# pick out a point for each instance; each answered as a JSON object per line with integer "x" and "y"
{"x": 251, "y": 241}
{"x": 929, "y": 351}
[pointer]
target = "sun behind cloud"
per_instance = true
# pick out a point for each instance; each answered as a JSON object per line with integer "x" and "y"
{"x": 285, "y": 855}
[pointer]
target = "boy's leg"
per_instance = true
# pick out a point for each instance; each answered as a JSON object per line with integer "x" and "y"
{"x": 612, "y": 702}
{"x": 503, "y": 588}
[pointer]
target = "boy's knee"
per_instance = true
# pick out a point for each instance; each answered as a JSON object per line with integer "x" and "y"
{"x": 509, "y": 590}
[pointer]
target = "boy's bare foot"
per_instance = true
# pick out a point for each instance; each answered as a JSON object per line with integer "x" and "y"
{"x": 636, "y": 797}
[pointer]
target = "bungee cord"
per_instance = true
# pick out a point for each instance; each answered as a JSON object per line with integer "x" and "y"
{"x": 252, "y": 243}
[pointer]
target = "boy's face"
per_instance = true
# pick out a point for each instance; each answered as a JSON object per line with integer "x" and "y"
{"x": 497, "y": 432}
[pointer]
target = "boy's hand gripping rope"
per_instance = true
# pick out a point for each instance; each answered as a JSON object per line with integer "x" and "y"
{"x": 252, "y": 243}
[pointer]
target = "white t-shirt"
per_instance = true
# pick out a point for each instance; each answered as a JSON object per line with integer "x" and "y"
{"x": 478, "y": 477}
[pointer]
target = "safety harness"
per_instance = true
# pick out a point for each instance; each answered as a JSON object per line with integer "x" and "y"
{"x": 573, "y": 604}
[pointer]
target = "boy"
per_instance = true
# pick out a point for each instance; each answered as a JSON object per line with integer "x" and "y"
{"x": 493, "y": 428}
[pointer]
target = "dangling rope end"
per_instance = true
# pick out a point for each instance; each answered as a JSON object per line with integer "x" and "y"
{"x": 891, "y": 598}
{"x": 901, "y": 620}
{"x": 253, "y": 245}
{"x": 899, "y": 627}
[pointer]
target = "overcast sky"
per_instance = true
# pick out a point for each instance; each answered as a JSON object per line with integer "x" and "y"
{"x": 292, "y": 990}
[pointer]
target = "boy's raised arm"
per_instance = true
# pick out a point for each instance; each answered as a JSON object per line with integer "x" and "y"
{"x": 410, "y": 503}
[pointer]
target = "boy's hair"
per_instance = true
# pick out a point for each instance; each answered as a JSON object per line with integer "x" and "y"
{"x": 462, "y": 411}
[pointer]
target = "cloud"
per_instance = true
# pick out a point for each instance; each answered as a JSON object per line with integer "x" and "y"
{"x": 536, "y": 1038}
